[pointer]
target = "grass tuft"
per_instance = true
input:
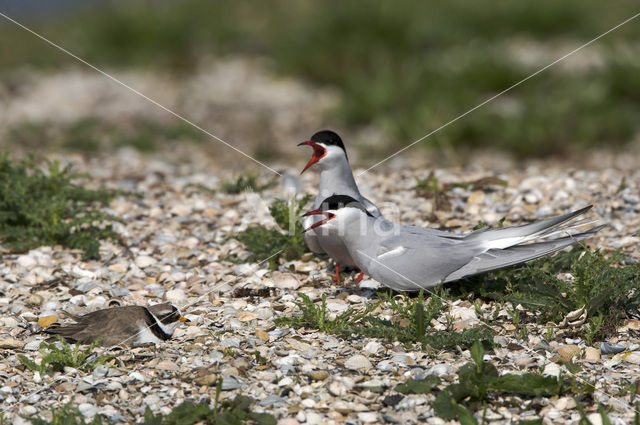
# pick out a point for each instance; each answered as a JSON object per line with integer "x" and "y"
{"x": 55, "y": 359}
{"x": 410, "y": 325}
{"x": 608, "y": 292}
{"x": 247, "y": 182}
{"x": 274, "y": 244}
{"x": 47, "y": 208}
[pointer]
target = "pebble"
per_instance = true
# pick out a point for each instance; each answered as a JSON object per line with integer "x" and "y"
{"x": 144, "y": 261}
{"x": 441, "y": 369}
{"x": 285, "y": 281}
{"x": 11, "y": 343}
{"x": 591, "y": 354}
{"x": 551, "y": 369}
{"x": 633, "y": 357}
{"x": 568, "y": 352}
{"x": 231, "y": 383}
{"x": 369, "y": 417}
{"x": 87, "y": 410}
{"x": 358, "y": 363}
{"x": 611, "y": 348}
{"x": 176, "y": 297}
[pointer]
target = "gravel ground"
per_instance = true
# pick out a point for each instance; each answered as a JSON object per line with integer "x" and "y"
{"x": 177, "y": 239}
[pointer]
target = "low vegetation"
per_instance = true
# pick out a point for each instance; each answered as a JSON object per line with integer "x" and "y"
{"x": 479, "y": 382}
{"x": 411, "y": 323}
{"x": 273, "y": 244}
{"x": 247, "y": 182}
{"x": 229, "y": 412}
{"x": 410, "y": 67}
{"x": 57, "y": 356}
{"x": 581, "y": 279}
{"x": 48, "y": 208}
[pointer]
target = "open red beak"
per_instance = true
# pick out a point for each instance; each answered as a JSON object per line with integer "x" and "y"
{"x": 318, "y": 212}
{"x": 318, "y": 153}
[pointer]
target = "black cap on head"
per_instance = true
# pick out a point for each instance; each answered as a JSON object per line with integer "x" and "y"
{"x": 328, "y": 138}
{"x": 336, "y": 202}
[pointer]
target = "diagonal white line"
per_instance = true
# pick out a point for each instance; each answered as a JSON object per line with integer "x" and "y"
{"x": 502, "y": 92}
{"x": 142, "y": 95}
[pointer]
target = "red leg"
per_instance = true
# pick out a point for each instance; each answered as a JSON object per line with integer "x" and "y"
{"x": 359, "y": 277}
{"x": 336, "y": 278}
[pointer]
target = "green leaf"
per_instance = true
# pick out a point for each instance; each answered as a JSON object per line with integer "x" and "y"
{"x": 603, "y": 415}
{"x": 423, "y": 386}
{"x": 445, "y": 404}
{"x": 465, "y": 416}
{"x": 477, "y": 354}
{"x": 527, "y": 384}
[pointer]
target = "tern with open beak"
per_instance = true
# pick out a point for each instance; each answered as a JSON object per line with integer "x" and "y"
{"x": 336, "y": 178}
{"x": 408, "y": 258}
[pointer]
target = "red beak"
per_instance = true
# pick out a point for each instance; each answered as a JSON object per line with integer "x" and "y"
{"x": 318, "y": 153}
{"x": 318, "y": 223}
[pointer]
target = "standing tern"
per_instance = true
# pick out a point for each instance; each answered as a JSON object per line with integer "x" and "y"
{"x": 336, "y": 178}
{"x": 408, "y": 258}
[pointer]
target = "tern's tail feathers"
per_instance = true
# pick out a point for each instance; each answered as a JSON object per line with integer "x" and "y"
{"x": 510, "y": 236}
{"x": 499, "y": 258}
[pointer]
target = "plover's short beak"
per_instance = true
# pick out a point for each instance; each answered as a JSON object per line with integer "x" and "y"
{"x": 318, "y": 153}
{"x": 184, "y": 319}
{"x": 318, "y": 223}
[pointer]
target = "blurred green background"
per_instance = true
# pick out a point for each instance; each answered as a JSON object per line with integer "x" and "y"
{"x": 403, "y": 67}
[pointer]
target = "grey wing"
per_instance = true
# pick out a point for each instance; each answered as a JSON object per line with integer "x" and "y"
{"x": 495, "y": 259}
{"x": 410, "y": 261}
{"x": 509, "y": 236}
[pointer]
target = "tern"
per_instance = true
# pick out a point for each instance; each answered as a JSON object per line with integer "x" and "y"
{"x": 336, "y": 178}
{"x": 407, "y": 258}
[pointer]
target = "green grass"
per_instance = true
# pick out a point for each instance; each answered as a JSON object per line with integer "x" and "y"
{"x": 606, "y": 290}
{"x": 410, "y": 324}
{"x": 274, "y": 244}
{"x": 91, "y": 134}
{"x": 409, "y": 66}
{"x": 48, "y": 208}
{"x": 480, "y": 382}
{"x": 55, "y": 359}
{"x": 246, "y": 182}
{"x": 229, "y": 412}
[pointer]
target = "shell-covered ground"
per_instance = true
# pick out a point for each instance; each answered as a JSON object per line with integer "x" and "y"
{"x": 179, "y": 238}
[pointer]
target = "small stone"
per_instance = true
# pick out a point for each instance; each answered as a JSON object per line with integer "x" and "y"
{"x": 87, "y": 410}
{"x": 611, "y": 348}
{"x": 27, "y": 261}
{"x": 551, "y": 369}
{"x": 595, "y": 418}
{"x": 144, "y": 261}
{"x": 476, "y": 197}
{"x": 591, "y": 354}
{"x": 46, "y": 321}
{"x": 338, "y": 388}
{"x": 441, "y": 369}
{"x": 11, "y": 343}
{"x": 501, "y": 340}
{"x": 632, "y": 357}
{"x": 207, "y": 380}
{"x": 285, "y": 280}
{"x": 247, "y": 316}
{"x": 386, "y": 366}
{"x": 392, "y": 400}
{"x": 167, "y": 365}
{"x": 65, "y": 387}
{"x": 260, "y": 334}
{"x": 368, "y": 417}
{"x": 230, "y": 383}
{"x": 569, "y": 351}
{"x": 358, "y": 362}
{"x": 100, "y": 371}
{"x": 543, "y": 345}
{"x": 318, "y": 375}
{"x": 176, "y": 296}
{"x": 372, "y": 347}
